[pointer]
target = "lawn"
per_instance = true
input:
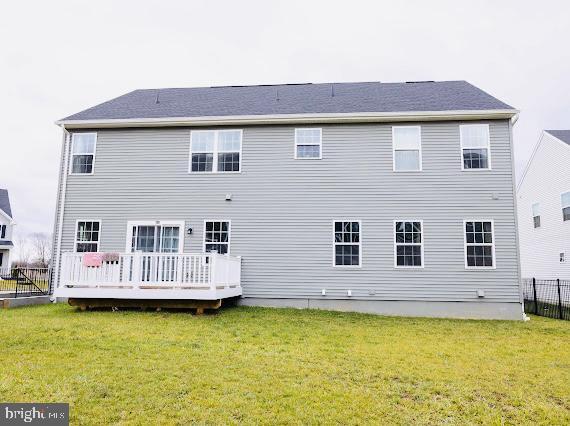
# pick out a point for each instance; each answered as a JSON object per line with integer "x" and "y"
{"x": 254, "y": 365}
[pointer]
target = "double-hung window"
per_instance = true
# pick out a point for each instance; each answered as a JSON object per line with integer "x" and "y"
{"x": 565, "y": 198}
{"x": 408, "y": 244}
{"x": 479, "y": 244}
{"x": 475, "y": 146}
{"x": 347, "y": 243}
{"x": 87, "y": 236}
{"x": 83, "y": 153}
{"x": 215, "y": 151}
{"x": 217, "y": 236}
{"x": 536, "y": 215}
{"x": 407, "y": 147}
{"x": 308, "y": 144}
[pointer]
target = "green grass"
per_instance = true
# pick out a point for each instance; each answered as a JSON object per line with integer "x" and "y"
{"x": 250, "y": 365}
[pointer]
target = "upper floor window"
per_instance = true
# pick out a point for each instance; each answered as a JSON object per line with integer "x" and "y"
{"x": 475, "y": 146}
{"x": 347, "y": 243}
{"x": 83, "y": 153}
{"x": 2, "y": 231}
{"x": 479, "y": 244}
{"x": 407, "y": 146}
{"x": 566, "y": 206}
{"x": 215, "y": 151}
{"x": 536, "y": 215}
{"x": 409, "y": 243}
{"x": 87, "y": 236}
{"x": 217, "y": 236}
{"x": 308, "y": 144}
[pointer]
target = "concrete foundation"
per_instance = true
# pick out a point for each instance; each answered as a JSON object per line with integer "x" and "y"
{"x": 23, "y": 301}
{"x": 466, "y": 310}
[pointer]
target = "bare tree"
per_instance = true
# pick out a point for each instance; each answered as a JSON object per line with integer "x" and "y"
{"x": 41, "y": 249}
{"x": 23, "y": 250}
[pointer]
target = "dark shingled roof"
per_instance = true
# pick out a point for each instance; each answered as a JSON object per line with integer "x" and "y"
{"x": 6, "y": 243}
{"x": 294, "y": 99}
{"x": 563, "y": 135}
{"x": 5, "y": 202}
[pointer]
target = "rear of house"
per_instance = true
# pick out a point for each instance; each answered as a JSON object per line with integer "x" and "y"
{"x": 544, "y": 209}
{"x": 388, "y": 198}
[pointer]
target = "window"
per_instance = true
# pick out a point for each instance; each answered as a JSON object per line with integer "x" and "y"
{"x": 87, "y": 235}
{"x": 308, "y": 144}
{"x": 83, "y": 153}
{"x": 217, "y": 236}
{"x": 215, "y": 151}
{"x": 408, "y": 243}
{"x": 406, "y": 143}
{"x": 2, "y": 231}
{"x": 562, "y": 257}
{"x": 566, "y": 206}
{"x": 479, "y": 244}
{"x": 536, "y": 215}
{"x": 475, "y": 146}
{"x": 347, "y": 243}
{"x": 155, "y": 237}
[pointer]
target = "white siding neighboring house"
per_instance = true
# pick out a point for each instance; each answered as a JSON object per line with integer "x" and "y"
{"x": 6, "y": 230}
{"x": 544, "y": 209}
{"x": 393, "y": 198}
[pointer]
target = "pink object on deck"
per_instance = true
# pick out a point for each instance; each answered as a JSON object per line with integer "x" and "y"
{"x": 93, "y": 259}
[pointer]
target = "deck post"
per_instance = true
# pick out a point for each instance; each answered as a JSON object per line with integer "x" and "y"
{"x": 560, "y": 311}
{"x": 535, "y": 298}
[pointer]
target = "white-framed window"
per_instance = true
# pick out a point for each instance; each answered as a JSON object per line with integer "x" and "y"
{"x": 407, "y": 148}
{"x": 217, "y": 236}
{"x": 155, "y": 236}
{"x": 87, "y": 236}
{"x": 347, "y": 243}
{"x": 2, "y": 231}
{"x": 479, "y": 244}
{"x": 83, "y": 147}
{"x": 308, "y": 144}
{"x": 565, "y": 199}
{"x": 536, "y": 215}
{"x": 475, "y": 146}
{"x": 562, "y": 257}
{"x": 215, "y": 151}
{"x": 408, "y": 244}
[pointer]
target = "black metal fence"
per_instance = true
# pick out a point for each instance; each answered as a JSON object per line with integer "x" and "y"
{"x": 25, "y": 282}
{"x": 548, "y": 298}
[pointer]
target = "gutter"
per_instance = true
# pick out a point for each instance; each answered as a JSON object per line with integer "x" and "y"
{"x": 361, "y": 117}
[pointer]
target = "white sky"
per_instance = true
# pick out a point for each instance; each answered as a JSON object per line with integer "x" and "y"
{"x": 60, "y": 57}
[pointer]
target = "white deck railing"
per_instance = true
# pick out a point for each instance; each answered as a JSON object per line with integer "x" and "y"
{"x": 153, "y": 271}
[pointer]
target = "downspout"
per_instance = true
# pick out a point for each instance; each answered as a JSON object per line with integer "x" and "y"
{"x": 64, "y": 171}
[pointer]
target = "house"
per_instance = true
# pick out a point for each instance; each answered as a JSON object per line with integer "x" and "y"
{"x": 6, "y": 229}
{"x": 391, "y": 198}
{"x": 544, "y": 209}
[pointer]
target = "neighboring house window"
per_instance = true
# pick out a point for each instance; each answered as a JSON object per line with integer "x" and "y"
{"x": 217, "y": 236}
{"x": 536, "y": 215}
{"x": 566, "y": 206}
{"x": 83, "y": 153}
{"x": 409, "y": 241}
{"x": 2, "y": 231}
{"x": 475, "y": 146}
{"x": 215, "y": 151}
{"x": 87, "y": 236}
{"x": 407, "y": 146}
{"x": 347, "y": 243}
{"x": 479, "y": 244}
{"x": 562, "y": 257}
{"x": 308, "y": 144}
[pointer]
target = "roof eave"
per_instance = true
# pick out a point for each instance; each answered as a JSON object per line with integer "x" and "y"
{"x": 362, "y": 117}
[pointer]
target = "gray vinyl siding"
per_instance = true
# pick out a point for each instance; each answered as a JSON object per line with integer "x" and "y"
{"x": 283, "y": 209}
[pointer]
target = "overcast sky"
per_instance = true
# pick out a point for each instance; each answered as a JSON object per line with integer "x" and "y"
{"x": 60, "y": 57}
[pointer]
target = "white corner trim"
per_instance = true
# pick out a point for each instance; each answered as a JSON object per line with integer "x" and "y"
{"x": 293, "y": 118}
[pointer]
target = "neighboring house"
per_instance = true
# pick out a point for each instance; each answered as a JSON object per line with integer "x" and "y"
{"x": 544, "y": 209}
{"x": 395, "y": 198}
{"x": 6, "y": 229}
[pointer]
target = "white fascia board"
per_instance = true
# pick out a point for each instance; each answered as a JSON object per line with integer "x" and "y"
{"x": 360, "y": 117}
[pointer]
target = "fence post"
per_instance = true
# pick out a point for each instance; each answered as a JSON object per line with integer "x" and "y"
{"x": 535, "y": 298}
{"x": 560, "y": 312}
